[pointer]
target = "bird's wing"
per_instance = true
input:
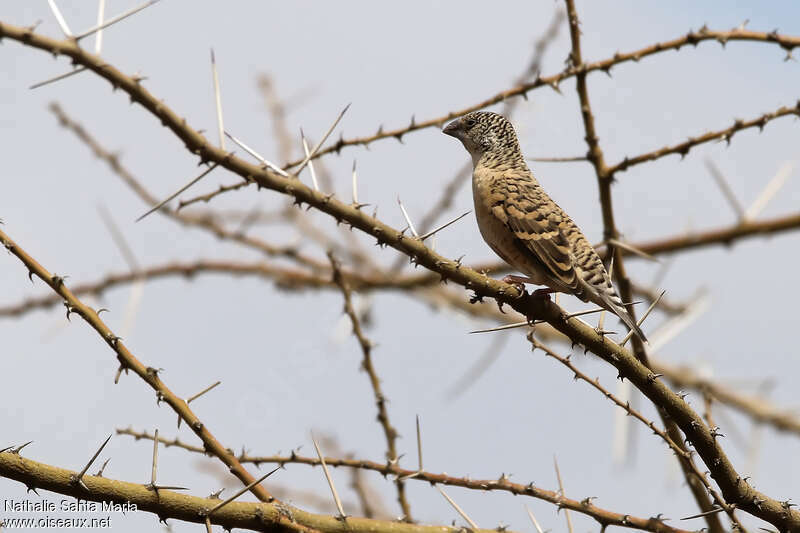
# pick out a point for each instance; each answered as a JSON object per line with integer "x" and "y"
{"x": 539, "y": 226}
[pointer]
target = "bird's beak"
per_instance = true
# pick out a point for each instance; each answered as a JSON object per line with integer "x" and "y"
{"x": 453, "y": 129}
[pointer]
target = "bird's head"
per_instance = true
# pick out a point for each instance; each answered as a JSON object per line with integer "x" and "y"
{"x": 485, "y": 133}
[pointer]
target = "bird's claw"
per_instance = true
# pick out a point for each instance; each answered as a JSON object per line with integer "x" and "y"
{"x": 516, "y": 282}
{"x": 542, "y": 293}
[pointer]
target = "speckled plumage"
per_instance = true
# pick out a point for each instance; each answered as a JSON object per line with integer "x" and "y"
{"x": 522, "y": 224}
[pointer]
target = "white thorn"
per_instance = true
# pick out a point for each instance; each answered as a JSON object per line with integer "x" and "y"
{"x": 57, "y": 78}
{"x": 218, "y": 100}
{"x": 641, "y": 320}
{"x": 719, "y": 177}
{"x": 772, "y": 188}
{"x": 321, "y": 141}
{"x": 408, "y": 220}
{"x": 176, "y": 193}
{"x": 114, "y": 20}
{"x": 355, "y": 184}
{"x": 329, "y": 478}
{"x": 98, "y": 39}
{"x": 275, "y": 168}
{"x": 310, "y": 163}
{"x": 59, "y": 18}
{"x": 533, "y": 519}
{"x": 440, "y": 228}
{"x": 458, "y": 509}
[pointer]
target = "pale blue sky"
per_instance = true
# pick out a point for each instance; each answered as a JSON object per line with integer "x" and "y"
{"x": 282, "y": 373}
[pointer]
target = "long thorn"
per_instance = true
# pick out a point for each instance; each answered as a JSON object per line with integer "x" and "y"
{"x": 533, "y": 519}
{"x": 501, "y": 328}
{"x": 601, "y": 320}
{"x": 561, "y": 490}
{"x": 558, "y": 159}
{"x": 419, "y": 445}
{"x": 458, "y": 509}
{"x": 196, "y": 396}
{"x": 176, "y": 193}
{"x": 310, "y": 163}
{"x": 322, "y": 141}
{"x": 119, "y": 239}
{"x": 633, "y": 250}
{"x": 329, "y": 478}
{"x": 114, "y": 20}
{"x": 78, "y": 478}
{"x": 715, "y": 510}
{"x": 770, "y": 190}
{"x": 408, "y": 219}
{"x": 355, "y": 184}
{"x": 98, "y": 39}
{"x": 241, "y": 491}
{"x": 218, "y": 100}
{"x": 644, "y": 316}
{"x": 57, "y": 78}
{"x": 440, "y": 228}
{"x": 272, "y": 166}
{"x": 155, "y": 459}
{"x": 59, "y": 18}
{"x": 719, "y": 177}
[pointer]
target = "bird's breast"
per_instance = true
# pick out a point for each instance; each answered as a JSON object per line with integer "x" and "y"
{"x": 488, "y": 213}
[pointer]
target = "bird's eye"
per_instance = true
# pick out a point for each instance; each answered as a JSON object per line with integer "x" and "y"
{"x": 470, "y": 122}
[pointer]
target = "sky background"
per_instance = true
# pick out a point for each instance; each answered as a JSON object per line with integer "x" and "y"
{"x": 285, "y": 366}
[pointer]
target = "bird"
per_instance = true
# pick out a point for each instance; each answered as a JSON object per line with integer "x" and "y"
{"x": 523, "y": 225}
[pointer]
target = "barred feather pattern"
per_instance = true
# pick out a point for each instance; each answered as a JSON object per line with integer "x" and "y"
{"x": 523, "y": 225}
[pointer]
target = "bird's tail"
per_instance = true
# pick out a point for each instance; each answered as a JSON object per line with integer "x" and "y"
{"x": 614, "y": 304}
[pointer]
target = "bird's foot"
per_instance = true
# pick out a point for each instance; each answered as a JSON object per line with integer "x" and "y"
{"x": 518, "y": 281}
{"x": 542, "y": 293}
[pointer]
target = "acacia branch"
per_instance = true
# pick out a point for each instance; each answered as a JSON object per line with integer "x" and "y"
{"x": 200, "y": 221}
{"x": 754, "y": 407}
{"x": 380, "y": 400}
{"x": 276, "y": 517}
{"x": 128, "y": 361}
{"x": 735, "y": 489}
{"x": 677, "y": 448}
{"x": 692, "y": 38}
{"x": 502, "y": 484}
{"x": 604, "y": 179}
{"x": 726, "y": 134}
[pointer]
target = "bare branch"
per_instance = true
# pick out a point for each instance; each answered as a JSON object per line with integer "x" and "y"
{"x": 128, "y": 360}
{"x": 587, "y": 508}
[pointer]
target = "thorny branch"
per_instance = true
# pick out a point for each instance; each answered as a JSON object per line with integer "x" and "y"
{"x": 679, "y": 450}
{"x": 204, "y": 222}
{"x": 297, "y": 279}
{"x": 692, "y": 38}
{"x": 604, "y": 180}
{"x": 755, "y": 407}
{"x": 735, "y": 489}
{"x": 586, "y": 506}
{"x": 725, "y": 134}
{"x": 380, "y": 400}
{"x": 274, "y": 517}
{"x": 128, "y": 361}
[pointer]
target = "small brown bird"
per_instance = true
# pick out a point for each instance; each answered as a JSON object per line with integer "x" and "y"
{"x": 523, "y": 225}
